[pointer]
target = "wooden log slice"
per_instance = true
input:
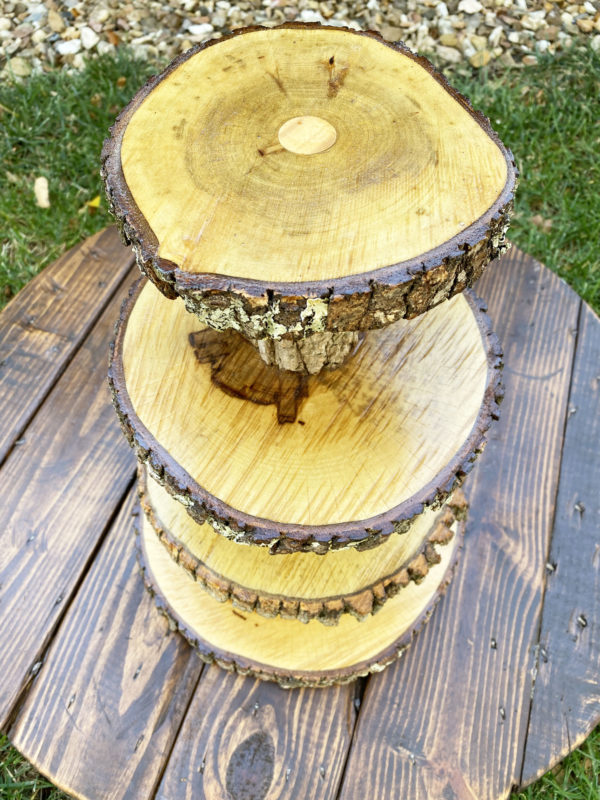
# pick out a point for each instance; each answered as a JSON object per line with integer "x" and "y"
{"x": 284, "y": 650}
{"x": 391, "y": 432}
{"x": 305, "y": 179}
{"x": 300, "y": 586}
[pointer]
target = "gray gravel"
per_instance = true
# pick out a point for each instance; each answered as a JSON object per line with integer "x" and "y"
{"x": 42, "y": 36}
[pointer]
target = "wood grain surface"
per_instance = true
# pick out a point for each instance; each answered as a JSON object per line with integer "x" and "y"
{"x": 250, "y": 740}
{"x": 291, "y": 652}
{"x": 366, "y": 454}
{"x": 280, "y": 216}
{"x": 462, "y": 736}
{"x": 60, "y": 488}
{"x": 566, "y": 698}
{"x": 282, "y": 244}
{"x": 46, "y": 322}
{"x": 300, "y": 585}
{"x": 448, "y": 721}
{"x": 105, "y": 708}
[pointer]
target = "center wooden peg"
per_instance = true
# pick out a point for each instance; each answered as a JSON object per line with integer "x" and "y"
{"x": 307, "y": 135}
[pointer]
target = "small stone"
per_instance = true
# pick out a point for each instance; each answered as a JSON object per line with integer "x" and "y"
{"x": 595, "y": 43}
{"x": 40, "y": 189}
{"x": 507, "y": 60}
{"x": 550, "y": 33}
{"x": 478, "y": 42}
{"x": 306, "y": 15}
{"x": 480, "y": 59}
{"x": 589, "y": 7}
{"x": 449, "y": 40}
{"x": 19, "y": 67}
{"x": 543, "y": 45}
{"x": 496, "y": 36}
{"x": 530, "y": 61}
{"x": 5, "y": 24}
{"x": 200, "y": 30}
{"x": 89, "y": 38}
{"x": 105, "y": 47}
{"x": 68, "y": 48}
{"x": 470, "y": 6}
{"x": 449, "y": 54}
{"x": 441, "y": 10}
{"x": 467, "y": 48}
{"x": 99, "y": 15}
{"x": 514, "y": 38}
{"x": 55, "y": 21}
{"x": 39, "y": 36}
{"x": 391, "y": 33}
{"x": 585, "y": 24}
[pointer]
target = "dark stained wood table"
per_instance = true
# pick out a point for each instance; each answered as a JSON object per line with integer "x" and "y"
{"x": 109, "y": 703}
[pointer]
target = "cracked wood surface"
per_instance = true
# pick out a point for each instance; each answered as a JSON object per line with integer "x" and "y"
{"x": 254, "y": 738}
{"x": 372, "y": 244}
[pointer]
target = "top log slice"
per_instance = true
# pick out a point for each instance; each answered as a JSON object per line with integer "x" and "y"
{"x": 307, "y": 180}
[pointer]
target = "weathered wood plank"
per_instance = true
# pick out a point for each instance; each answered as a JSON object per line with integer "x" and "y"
{"x": 566, "y": 700}
{"x": 47, "y": 321}
{"x": 60, "y": 489}
{"x": 106, "y": 706}
{"x": 243, "y": 738}
{"x": 449, "y": 720}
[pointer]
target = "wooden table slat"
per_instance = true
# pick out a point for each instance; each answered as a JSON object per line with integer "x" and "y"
{"x": 106, "y": 706}
{"x": 117, "y": 700}
{"x": 243, "y": 738}
{"x": 566, "y": 700}
{"x": 60, "y": 489}
{"x": 448, "y": 721}
{"x": 43, "y": 326}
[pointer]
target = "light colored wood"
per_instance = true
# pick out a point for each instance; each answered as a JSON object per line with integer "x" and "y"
{"x": 299, "y": 585}
{"x": 288, "y": 650}
{"x": 410, "y": 168}
{"x": 307, "y": 135}
{"x": 365, "y": 453}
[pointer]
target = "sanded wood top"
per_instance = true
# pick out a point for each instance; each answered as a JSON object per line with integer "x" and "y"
{"x": 299, "y": 585}
{"x": 363, "y": 457}
{"x": 396, "y": 177}
{"x": 292, "y": 652}
{"x": 501, "y": 683}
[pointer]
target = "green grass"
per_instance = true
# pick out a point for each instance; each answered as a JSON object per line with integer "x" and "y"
{"x": 549, "y": 115}
{"x": 19, "y": 781}
{"x": 53, "y": 126}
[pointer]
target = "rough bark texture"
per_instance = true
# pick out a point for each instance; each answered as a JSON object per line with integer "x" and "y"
{"x": 327, "y": 610}
{"x": 320, "y": 351}
{"x": 286, "y": 537}
{"x": 260, "y": 309}
{"x": 287, "y": 679}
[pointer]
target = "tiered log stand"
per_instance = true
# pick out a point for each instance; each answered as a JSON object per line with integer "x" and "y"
{"x": 319, "y": 200}
{"x": 103, "y": 697}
